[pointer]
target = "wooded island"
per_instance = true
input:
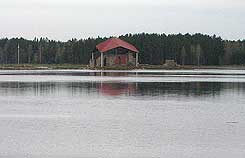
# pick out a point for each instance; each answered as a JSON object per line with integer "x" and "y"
{"x": 155, "y": 49}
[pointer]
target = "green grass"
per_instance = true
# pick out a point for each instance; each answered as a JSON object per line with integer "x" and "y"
{"x": 40, "y": 66}
{"x": 115, "y": 68}
{"x": 78, "y": 66}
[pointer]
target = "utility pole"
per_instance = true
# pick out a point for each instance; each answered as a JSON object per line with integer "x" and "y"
{"x": 18, "y": 55}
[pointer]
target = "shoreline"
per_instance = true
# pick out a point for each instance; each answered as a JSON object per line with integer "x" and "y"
{"x": 86, "y": 67}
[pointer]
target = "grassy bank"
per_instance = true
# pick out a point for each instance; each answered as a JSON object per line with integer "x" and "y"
{"x": 41, "y": 66}
{"x": 79, "y": 67}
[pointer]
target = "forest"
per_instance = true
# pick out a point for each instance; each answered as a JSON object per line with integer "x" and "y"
{"x": 185, "y": 49}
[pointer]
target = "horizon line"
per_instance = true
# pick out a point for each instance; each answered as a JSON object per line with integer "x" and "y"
{"x": 118, "y": 36}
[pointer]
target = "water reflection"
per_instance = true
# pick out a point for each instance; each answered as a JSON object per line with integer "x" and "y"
{"x": 115, "y": 89}
{"x": 194, "y": 89}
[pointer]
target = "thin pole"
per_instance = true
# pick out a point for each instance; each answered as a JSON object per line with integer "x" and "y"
{"x": 137, "y": 60}
{"x": 18, "y": 56}
{"x": 92, "y": 62}
{"x": 101, "y": 60}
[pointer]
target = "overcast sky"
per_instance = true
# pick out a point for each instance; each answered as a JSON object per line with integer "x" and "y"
{"x": 66, "y": 19}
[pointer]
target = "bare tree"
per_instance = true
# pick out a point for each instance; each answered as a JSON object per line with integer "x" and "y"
{"x": 193, "y": 53}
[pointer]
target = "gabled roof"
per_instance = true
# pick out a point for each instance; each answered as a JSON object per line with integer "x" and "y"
{"x": 115, "y": 43}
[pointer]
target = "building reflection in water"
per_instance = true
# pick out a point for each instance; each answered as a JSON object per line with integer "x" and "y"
{"x": 115, "y": 89}
{"x": 193, "y": 89}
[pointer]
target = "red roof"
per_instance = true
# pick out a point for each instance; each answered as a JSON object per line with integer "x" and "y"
{"x": 115, "y": 43}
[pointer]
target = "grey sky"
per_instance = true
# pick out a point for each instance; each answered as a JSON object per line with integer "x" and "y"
{"x": 65, "y": 19}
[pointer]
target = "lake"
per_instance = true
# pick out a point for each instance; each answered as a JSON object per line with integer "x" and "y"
{"x": 122, "y": 114}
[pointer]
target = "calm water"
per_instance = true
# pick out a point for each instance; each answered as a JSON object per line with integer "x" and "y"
{"x": 138, "y": 114}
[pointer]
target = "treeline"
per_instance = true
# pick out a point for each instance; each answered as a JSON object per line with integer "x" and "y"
{"x": 197, "y": 49}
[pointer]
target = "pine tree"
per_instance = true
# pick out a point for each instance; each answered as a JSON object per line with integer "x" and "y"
{"x": 29, "y": 52}
{"x": 1, "y": 56}
{"x": 198, "y": 53}
{"x": 183, "y": 55}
